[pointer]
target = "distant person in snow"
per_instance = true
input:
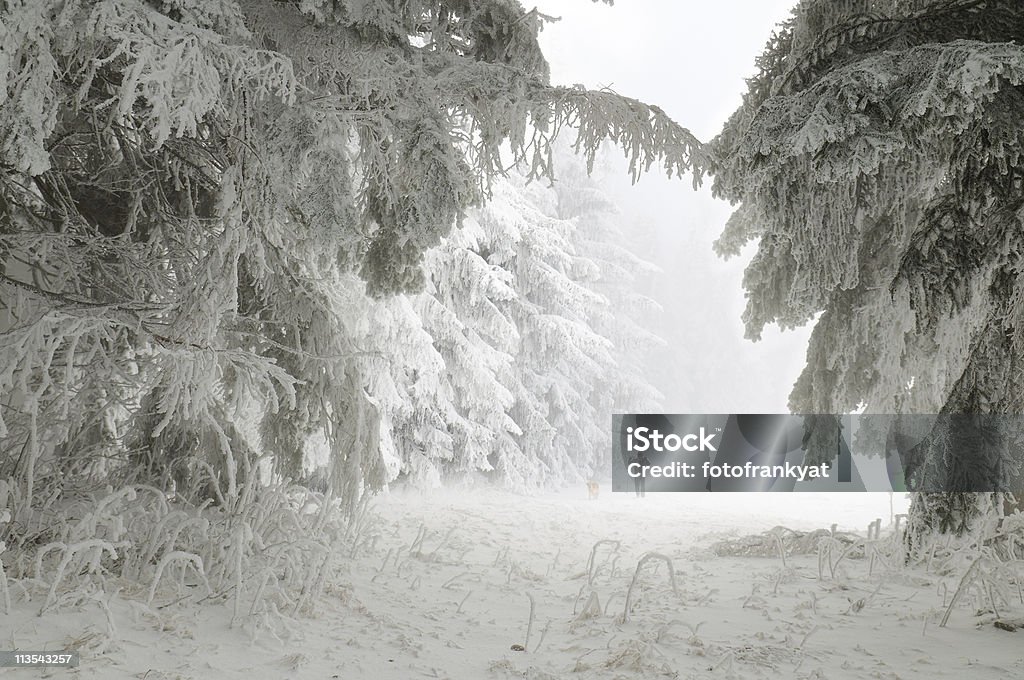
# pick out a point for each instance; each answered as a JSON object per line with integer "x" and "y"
{"x": 640, "y": 480}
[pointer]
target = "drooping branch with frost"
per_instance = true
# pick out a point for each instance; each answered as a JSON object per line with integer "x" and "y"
{"x": 189, "y": 193}
{"x": 875, "y": 160}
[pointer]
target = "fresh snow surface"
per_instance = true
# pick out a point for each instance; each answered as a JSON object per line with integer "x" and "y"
{"x": 452, "y": 604}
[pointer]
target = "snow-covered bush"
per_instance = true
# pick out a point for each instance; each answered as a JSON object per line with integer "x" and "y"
{"x": 269, "y": 564}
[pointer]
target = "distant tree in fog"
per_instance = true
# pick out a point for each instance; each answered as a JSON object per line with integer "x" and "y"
{"x": 529, "y": 305}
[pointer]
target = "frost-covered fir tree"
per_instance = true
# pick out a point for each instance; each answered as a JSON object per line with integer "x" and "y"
{"x": 537, "y": 297}
{"x": 562, "y": 359}
{"x": 197, "y": 201}
{"x": 512, "y": 324}
{"x": 876, "y": 157}
{"x": 609, "y": 267}
{"x": 462, "y": 310}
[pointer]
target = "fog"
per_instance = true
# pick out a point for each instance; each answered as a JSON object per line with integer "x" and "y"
{"x": 690, "y": 59}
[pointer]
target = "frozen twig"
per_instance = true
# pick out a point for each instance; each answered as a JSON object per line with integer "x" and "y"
{"x": 529, "y": 624}
{"x": 69, "y": 554}
{"x": 453, "y": 579}
{"x": 417, "y": 544}
{"x": 554, "y": 562}
{"x": 543, "y": 634}
{"x": 190, "y": 558}
{"x": 591, "y": 609}
{"x": 636, "y": 577}
{"x": 960, "y": 589}
{"x": 444, "y": 541}
{"x": 591, "y": 563}
{"x": 3, "y": 585}
{"x": 781, "y": 547}
{"x": 459, "y": 610}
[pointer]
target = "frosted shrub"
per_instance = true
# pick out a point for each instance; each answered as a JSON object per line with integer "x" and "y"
{"x": 269, "y": 561}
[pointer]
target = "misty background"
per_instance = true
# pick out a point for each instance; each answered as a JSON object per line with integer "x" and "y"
{"x": 690, "y": 59}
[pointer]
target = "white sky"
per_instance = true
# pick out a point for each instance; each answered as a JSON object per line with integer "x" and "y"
{"x": 691, "y": 59}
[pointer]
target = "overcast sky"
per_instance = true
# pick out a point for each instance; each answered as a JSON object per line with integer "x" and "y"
{"x": 691, "y": 59}
{"x": 688, "y": 57}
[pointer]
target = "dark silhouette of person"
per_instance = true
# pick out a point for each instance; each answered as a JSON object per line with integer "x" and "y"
{"x": 639, "y": 482}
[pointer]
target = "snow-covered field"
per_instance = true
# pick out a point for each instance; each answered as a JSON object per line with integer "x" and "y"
{"x": 441, "y": 585}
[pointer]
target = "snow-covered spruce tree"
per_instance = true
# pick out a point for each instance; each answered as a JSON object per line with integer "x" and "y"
{"x": 464, "y": 311}
{"x": 559, "y": 359}
{"x": 187, "y": 192}
{"x": 610, "y": 268}
{"x": 876, "y": 157}
{"x": 534, "y": 293}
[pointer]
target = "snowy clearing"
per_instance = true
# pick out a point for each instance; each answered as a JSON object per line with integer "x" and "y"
{"x": 441, "y": 586}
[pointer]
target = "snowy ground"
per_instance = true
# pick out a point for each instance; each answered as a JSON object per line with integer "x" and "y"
{"x": 441, "y": 587}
